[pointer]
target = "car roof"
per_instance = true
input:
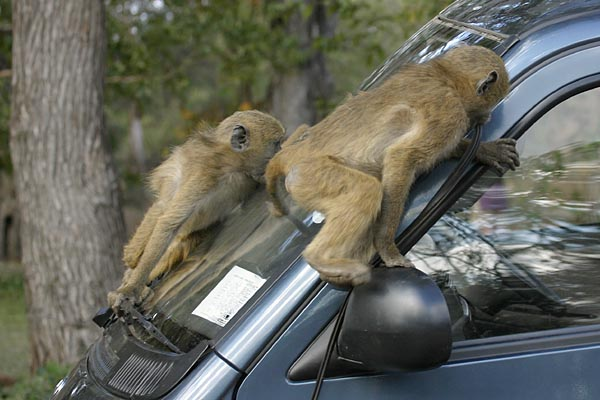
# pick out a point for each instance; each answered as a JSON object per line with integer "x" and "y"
{"x": 515, "y": 17}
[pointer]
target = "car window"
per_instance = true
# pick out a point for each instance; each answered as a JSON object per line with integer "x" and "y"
{"x": 521, "y": 253}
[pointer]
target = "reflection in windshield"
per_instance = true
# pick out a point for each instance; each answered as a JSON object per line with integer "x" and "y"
{"x": 251, "y": 239}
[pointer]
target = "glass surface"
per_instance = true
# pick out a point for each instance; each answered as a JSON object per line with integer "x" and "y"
{"x": 523, "y": 251}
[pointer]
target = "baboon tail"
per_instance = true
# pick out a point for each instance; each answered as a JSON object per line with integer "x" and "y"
{"x": 274, "y": 173}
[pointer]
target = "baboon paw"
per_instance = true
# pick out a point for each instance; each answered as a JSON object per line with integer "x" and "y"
{"x": 398, "y": 261}
{"x": 115, "y": 299}
{"x": 392, "y": 258}
{"x": 347, "y": 277}
{"x": 121, "y": 295}
{"x": 500, "y": 155}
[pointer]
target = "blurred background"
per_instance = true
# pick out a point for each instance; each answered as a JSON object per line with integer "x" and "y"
{"x": 159, "y": 68}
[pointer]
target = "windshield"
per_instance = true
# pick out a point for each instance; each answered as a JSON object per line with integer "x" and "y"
{"x": 245, "y": 253}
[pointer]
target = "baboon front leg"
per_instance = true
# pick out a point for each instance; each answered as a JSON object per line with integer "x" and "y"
{"x": 178, "y": 251}
{"x": 133, "y": 250}
{"x": 350, "y": 200}
{"x": 175, "y": 214}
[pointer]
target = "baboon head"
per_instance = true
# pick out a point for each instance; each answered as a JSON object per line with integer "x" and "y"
{"x": 482, "y": 77}
{"x": 256, "y": 136}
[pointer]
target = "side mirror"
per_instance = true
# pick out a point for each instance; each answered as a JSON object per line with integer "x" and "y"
{"x": 399, "y": 321}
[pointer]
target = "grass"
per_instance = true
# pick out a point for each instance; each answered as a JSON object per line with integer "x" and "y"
{"x": 36, "y": 387}
{"x": 14, "y": 345}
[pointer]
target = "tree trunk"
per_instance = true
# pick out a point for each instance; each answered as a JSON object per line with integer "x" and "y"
{"x": 296, "y": 92}
{"x": 290, "y": 99}
{"x": 136, "y": 138}
{"x": 71, "y": 223}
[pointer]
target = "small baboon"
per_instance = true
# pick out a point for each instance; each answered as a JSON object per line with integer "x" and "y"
{"x": 199, "y": 184}
{"x": 358, "y": 164}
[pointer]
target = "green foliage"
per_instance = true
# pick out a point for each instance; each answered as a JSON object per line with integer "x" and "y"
{"x": 39, "y": 386}
{"x": 205, "y": 59}
{"x": 145, "y": 49}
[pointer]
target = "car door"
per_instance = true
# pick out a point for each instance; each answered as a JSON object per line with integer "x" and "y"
{"x": 519, "y": 253}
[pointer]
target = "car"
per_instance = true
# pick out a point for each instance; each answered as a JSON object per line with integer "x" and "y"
{"x": 514, "y": 260}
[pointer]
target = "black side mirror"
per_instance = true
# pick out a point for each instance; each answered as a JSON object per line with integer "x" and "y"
{"x": 399, "y": 321}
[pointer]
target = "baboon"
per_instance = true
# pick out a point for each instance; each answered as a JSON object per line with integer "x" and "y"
{"x": 200, "y": 183}
{"x": 357, "y": 165}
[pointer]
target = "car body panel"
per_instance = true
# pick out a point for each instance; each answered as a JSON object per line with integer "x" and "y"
{"x": 213, "y": 379}
{"x": 559, "y": 374}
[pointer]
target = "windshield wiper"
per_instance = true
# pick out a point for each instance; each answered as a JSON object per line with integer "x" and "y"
{"x": 131, "y": 315}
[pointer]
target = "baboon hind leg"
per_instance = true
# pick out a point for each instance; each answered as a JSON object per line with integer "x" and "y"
{"x": 350, "y": 200}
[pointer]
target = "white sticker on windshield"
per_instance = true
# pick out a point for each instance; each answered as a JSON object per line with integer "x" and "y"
{"x": 226, "y": 299}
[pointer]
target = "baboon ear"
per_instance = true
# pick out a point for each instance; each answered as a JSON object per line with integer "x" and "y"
{"x": 239, "y": 139}
{"x": 484, "y": 85}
